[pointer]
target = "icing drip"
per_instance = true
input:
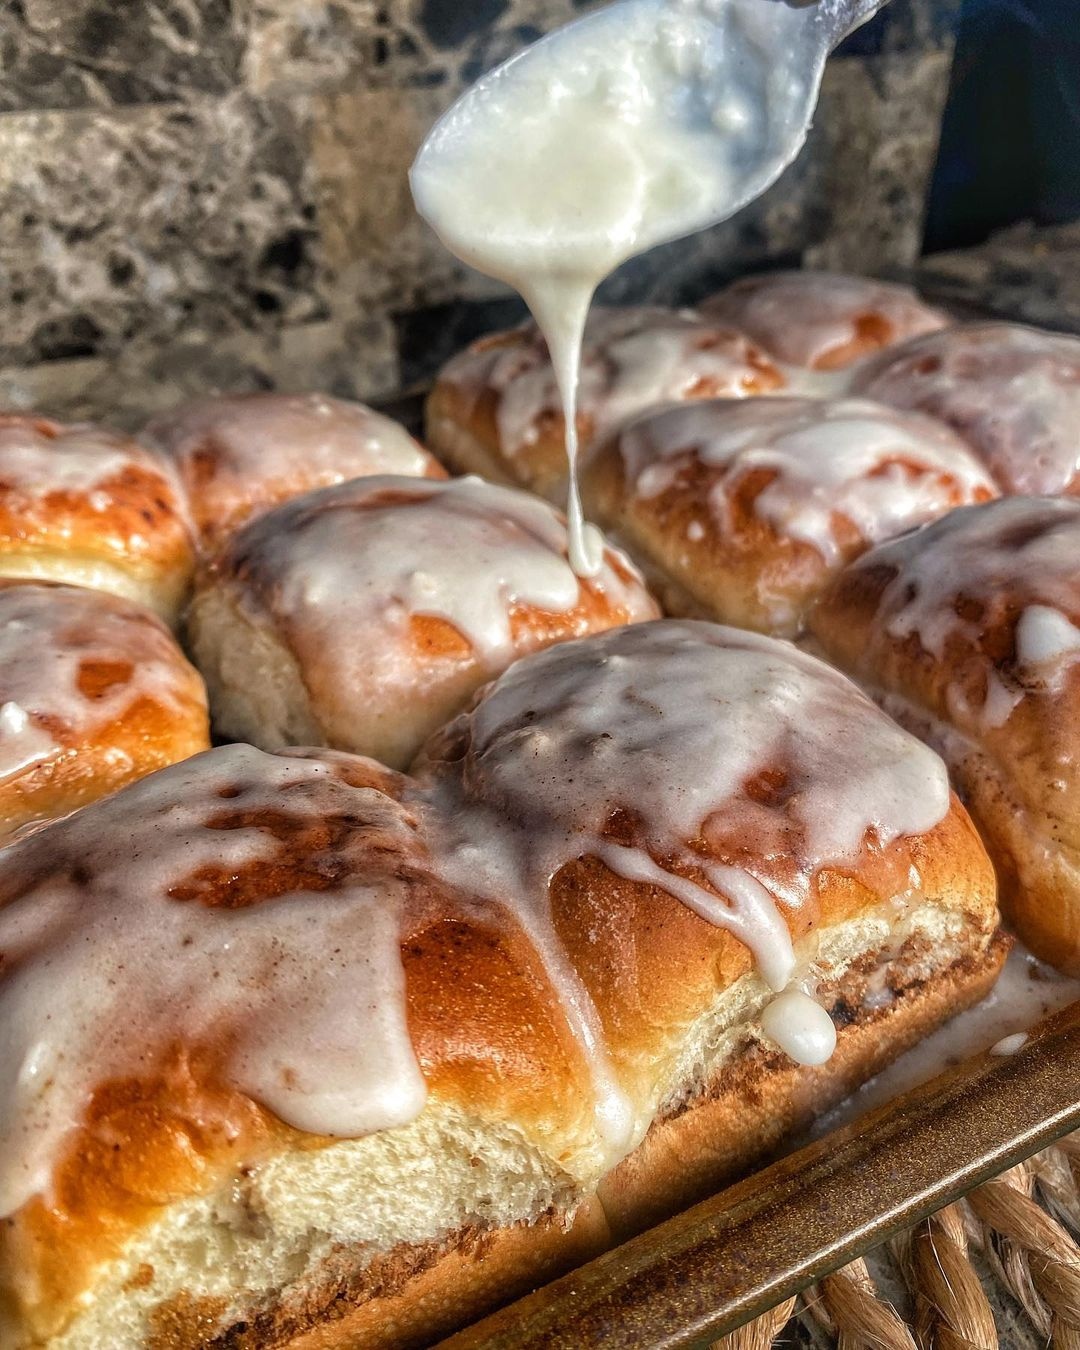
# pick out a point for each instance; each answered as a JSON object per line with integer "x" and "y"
{"x": 1012, "y": 392}
{"x": 1019, "y": 547}
{"x": 302, "y": 993}
{"x": 48, "y": 636}
{"x": 1046, "y": 641}
{"x": 814, "y": 319}
{"x": 800, "y": 1027}
{"x": 881, "y": 470}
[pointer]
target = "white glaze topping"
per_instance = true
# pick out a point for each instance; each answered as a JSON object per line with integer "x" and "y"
{"x": 631, "y": 359}
{"x": 246, "y": 451}
{"x": 675, "y": 722}
{"x": 1046, "y": 641}
{"x": 38, "y": 458}
{"x": 1012, "y": 392}
{"x": 303, "y": 993}
{"x": 883, "y": 471}
{"x": 800, "y": 1027}
{"x": 804, "y": 318}
{"x": 365, "y": 556}
{"x": 1022, "y": 548}
{"x": 47, "y": 634}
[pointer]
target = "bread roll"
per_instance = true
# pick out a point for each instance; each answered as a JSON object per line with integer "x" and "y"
{"x": 85, "y": 505}
{"x": 822, "y": 320}
{"x": 94, "y": 692}
{"x": 969, "y": 632}
{"x": 394, "y": 1034}
{"x": 1012, "y": 392}
{"x": 240, "y": 455}
{"x": 742, "y": 511}
{"x": 364, "y": 616}
{"x": 495, "y": 409}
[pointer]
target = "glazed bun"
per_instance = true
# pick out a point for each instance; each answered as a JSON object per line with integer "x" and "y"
{"x": 495, "y": 409}
{"x": 822, "y": 320}
{"x": 396, "y": 1035}
{"x": 94, "y": 692}
{"x": 89, "y": 506}
{"x": 968, "y": 631}
{"x": 1012, "y": 392}
{"x": 240, "y": 455}
{"x": 364, "y": 616}
{"x": 741, "y": 511}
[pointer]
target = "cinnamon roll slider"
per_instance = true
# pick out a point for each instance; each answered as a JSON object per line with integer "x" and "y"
{"x": 94, "y": 692}
{"x": 1012, "y": 392}
{"x": 823, "y": 321}
{"x": 495, "y": 409}
{"x": 364, "y": 616}
{"x": 85, "y": 505}
{"x": 240, "y": 455}
{"x": 742, "y": 511}
{"x": 968, "y": 631}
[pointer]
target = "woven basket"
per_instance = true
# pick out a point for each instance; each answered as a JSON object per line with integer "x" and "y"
{"x": 1000, "y": 1267}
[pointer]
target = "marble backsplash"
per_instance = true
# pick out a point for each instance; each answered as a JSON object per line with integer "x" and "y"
{"x": 201, "y": 194}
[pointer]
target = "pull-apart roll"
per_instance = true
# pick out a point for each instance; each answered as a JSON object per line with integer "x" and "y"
{"x": 968, "y": 631}
{"x": 741, "y": 511}
{"x": 406, "y": 1044}
{"x": 495, "y": 409}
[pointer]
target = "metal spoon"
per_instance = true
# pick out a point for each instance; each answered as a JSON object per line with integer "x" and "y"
{"x": 772, "y": 52}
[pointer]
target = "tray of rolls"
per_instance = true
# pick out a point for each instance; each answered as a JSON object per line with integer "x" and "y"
{"x": 392, "y": 919}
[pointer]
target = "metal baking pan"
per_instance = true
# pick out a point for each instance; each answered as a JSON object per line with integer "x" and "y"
{"x": 705, "y": 1272}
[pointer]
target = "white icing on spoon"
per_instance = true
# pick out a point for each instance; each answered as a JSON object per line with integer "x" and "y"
{"x": 639, "y": 124}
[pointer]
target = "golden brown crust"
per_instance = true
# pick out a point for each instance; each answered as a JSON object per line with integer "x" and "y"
{"x": 462, "y": 416}
{"x": 762, "y": 1098}
{"x": 704, "y": 533}
{"x": 129, "y": 523}
{"x": 1011, "y": 735}
{"x": 113, "y": 698}
{"x": 240, "y": 455}
{"x": 416, "y": 1295}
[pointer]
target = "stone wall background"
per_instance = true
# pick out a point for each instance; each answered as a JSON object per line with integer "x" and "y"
{"x": 201, "y": 194}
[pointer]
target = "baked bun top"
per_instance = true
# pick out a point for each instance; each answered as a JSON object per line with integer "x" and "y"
{"x": 978, "y": 617}
{"x": 91, "y": 686}
{"x": 242, "y": 454}
{"x": 750, "y": 504}
{"x": 82, "y": 490}
{"x": 389, "y": 592}
{"x": 1012, "y": 392}
{"x": 633, "y": 358}
{"x": 822, "y": 320}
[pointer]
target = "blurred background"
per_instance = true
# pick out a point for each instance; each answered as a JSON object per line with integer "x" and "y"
{"x": 200, "y": 194}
